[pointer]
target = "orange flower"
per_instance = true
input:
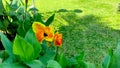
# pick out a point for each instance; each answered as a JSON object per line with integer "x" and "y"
{"x": 58, "y": 39}
{"x": 40, "y": 36}
{"x": 49, "y": 34}
{"x": 37, "y": 26}
{"x": 42, "y": 32}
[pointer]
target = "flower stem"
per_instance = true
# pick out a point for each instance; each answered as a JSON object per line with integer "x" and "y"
{"x": 56, "y": 53}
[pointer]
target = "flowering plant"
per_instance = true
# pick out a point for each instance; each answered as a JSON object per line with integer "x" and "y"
{"x": 45, "y": 32}
{"x": 30, "y": 42}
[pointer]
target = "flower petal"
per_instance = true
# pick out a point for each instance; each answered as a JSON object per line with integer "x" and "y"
{"x": 37, "y": 26}
{"x": 58, "y": 39}
{"x": 40, "y": 36}
{"x": 50, "y": 34}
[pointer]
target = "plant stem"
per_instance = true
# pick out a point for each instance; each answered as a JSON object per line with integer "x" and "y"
{"x": 56, "y": 53}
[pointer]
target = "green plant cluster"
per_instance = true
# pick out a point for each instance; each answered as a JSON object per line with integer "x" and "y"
{"x": 28, "y": 52}
{"x": 22, "y": 49}
{"x": 16, "y": 17}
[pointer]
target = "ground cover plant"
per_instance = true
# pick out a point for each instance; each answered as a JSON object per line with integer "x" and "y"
{"x": 90, "y": 30}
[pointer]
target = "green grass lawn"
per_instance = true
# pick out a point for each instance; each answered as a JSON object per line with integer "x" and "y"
{"x": 95, "y": 30}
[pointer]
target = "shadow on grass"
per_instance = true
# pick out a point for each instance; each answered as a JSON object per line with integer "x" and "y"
{"x": 66, "y": 10}
{"x": 90, "y": 34}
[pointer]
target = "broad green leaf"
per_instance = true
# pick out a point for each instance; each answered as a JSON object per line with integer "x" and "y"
{"x": 12, "y": 65}
{"x": 115, "y": 60}
{"x": 31, "y": 38}
{"x": 20, "y": 10}
{"x": 118, "y": 49}
{"x": 35, "y": 64}
{"x": 44, "y": 47}
{"x": 23, "y": 49}
{"x": 50, "y": 55}
{"x": 53, "y": 64}
{"x": 90, "y": 65}
{"x": 24, "y": 25}
{"x": 9, "y": 60}
{"x": 14, "y": 5}
{"x": 21, "y": 31}
{"x": 1, "y": 7}
{"x": 111, "y": 52}
{"x": 71, "y": 61}
{"x": 80, "y": 57}
{"x": 38, "y": 18}
{"x": 106, "y": 61}
{"x": 14, "y": 2}
{"x": 7, "y": 44}
{"x": 61, "y": 59}
{"x": 81, "y": 64}
{"x": 50, "y": 20}
{"x": 6, "y": 5}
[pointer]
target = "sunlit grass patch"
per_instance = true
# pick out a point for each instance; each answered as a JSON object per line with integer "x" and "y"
{"x": 95, "y": 30}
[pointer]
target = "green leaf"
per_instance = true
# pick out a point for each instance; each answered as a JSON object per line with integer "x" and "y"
{"x": 20, "y": 10}
{"x": 80, "y": 57}
{"x": 111, "y": 52}
{"x": 7, "y": 44}
{"x": 62, "y": 60}
{"x": 6, "y": 5}
{"x": 24, "y": 25}
{"x": 31, "y": 38}
{"x": 13, "y": 65}
{"x": 71, "y": 62}
{"x": 14, "y": 5}
{"x": 9, "y": 60}
{"x": 1, "y": 7}
{"x": 50, "y": 20}
{"x": 53, "y": 64}
{"x": 35, "y": 64}
{"x": 50, "y": 55}
{"x": 106, "y": 61}
{"x": 38, "y": 18}
{"x": 115, "y": 60}
{"x": 23, "y": 49}
{"x": 90, "y": 65}
{"x": 44, "y": 47}
{"x": 21, "y": 31}
{"x": 81, "y": 64}
{"x": 118, "y": 50}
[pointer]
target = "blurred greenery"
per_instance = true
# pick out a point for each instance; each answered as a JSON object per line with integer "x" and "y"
{"x": 89, "y": 25}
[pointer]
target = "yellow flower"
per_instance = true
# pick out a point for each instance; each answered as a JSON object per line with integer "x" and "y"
{"x": 43, "y": 32}
{"x": 58, "y": 39}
